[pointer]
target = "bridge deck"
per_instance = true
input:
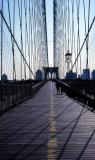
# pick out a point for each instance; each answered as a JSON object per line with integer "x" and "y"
{"x": 48, "y": 126}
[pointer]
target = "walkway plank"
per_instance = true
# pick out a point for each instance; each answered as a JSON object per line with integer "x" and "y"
{"x": 48, "y": 126}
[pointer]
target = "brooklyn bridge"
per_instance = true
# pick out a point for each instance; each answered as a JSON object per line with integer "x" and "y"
{"x": 47, "y": 79}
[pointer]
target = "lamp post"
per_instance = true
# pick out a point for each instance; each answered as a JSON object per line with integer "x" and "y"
{"x": 68, "y": 58}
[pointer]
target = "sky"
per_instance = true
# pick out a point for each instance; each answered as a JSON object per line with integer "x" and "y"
{"x": 49, "y": 15}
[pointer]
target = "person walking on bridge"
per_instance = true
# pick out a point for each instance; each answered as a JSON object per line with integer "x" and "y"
{"x": 58, "y": 87}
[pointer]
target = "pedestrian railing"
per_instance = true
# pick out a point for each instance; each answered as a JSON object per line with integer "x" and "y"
{"x": 13, "y": 93}
{"x": 82, "y": 90}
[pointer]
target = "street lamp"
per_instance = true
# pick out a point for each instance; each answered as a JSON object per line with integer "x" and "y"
{"x": 68, "y": 58}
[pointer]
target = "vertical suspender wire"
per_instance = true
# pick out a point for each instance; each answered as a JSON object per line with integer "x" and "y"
{"x": 72, "y": 44}
{"x": 20, "y": 18}
{"x": 29, "y": 37}
{"x": 11, "y": 29}
{"x": 63, "y": 39}
{"x": 68, "y": 25}
{"x": 14, "y": 71}
{"x": 63, "y": 42}
{"x": 78, "y": 33}
{"x": 74, "y": 38}
{"x": 31, "y": 51}
{"x": 73, "y": 48}
{"x": 38, "y": 45}
{"x": 27, "y": 31}
{"x": 12, "y": 40}
{"x": 37, "y": 39}
{"x": 20, "y": 37}
{"x": 54, "y": 28}
{"x": 85, "y": 30}
{"x": 75, "y": 51}
{"x": 1, "y": 53}
{"x": 70, "y": 33}
{"x": 70, "y": 28}
{"x": 2, "y": 41}
{"x": 25, "y": 38}
{"x": 21, "y": 40}
{"x": 34, "y": 40}
{"x": 31, "y": 34}
{"x": 44, "y": 31}
{"x": 87, "y": 76}
{"x": 46, "y": 34}
{"x": 56, "y": 16}
{"x": 14, "y": 77}
{"x": 88, "y": 36}
{"x": 26, "y": 28}
{"x": 65, "y": 28}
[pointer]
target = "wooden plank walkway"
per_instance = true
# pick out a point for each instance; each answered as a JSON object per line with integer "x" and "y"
{"x": 48, "y": 127}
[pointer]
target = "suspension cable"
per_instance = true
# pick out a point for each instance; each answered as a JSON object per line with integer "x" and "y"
{"x": 15, "y": 41}
{"x": 83, "y": 42}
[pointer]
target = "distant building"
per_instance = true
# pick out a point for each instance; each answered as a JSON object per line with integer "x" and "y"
{"x": 4, "y": 77}
{"x": 71, "y": 75}
{"x": 86, "y": 74}
{"x": 39, "y": 75}
{"x": 93, "y": 74}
